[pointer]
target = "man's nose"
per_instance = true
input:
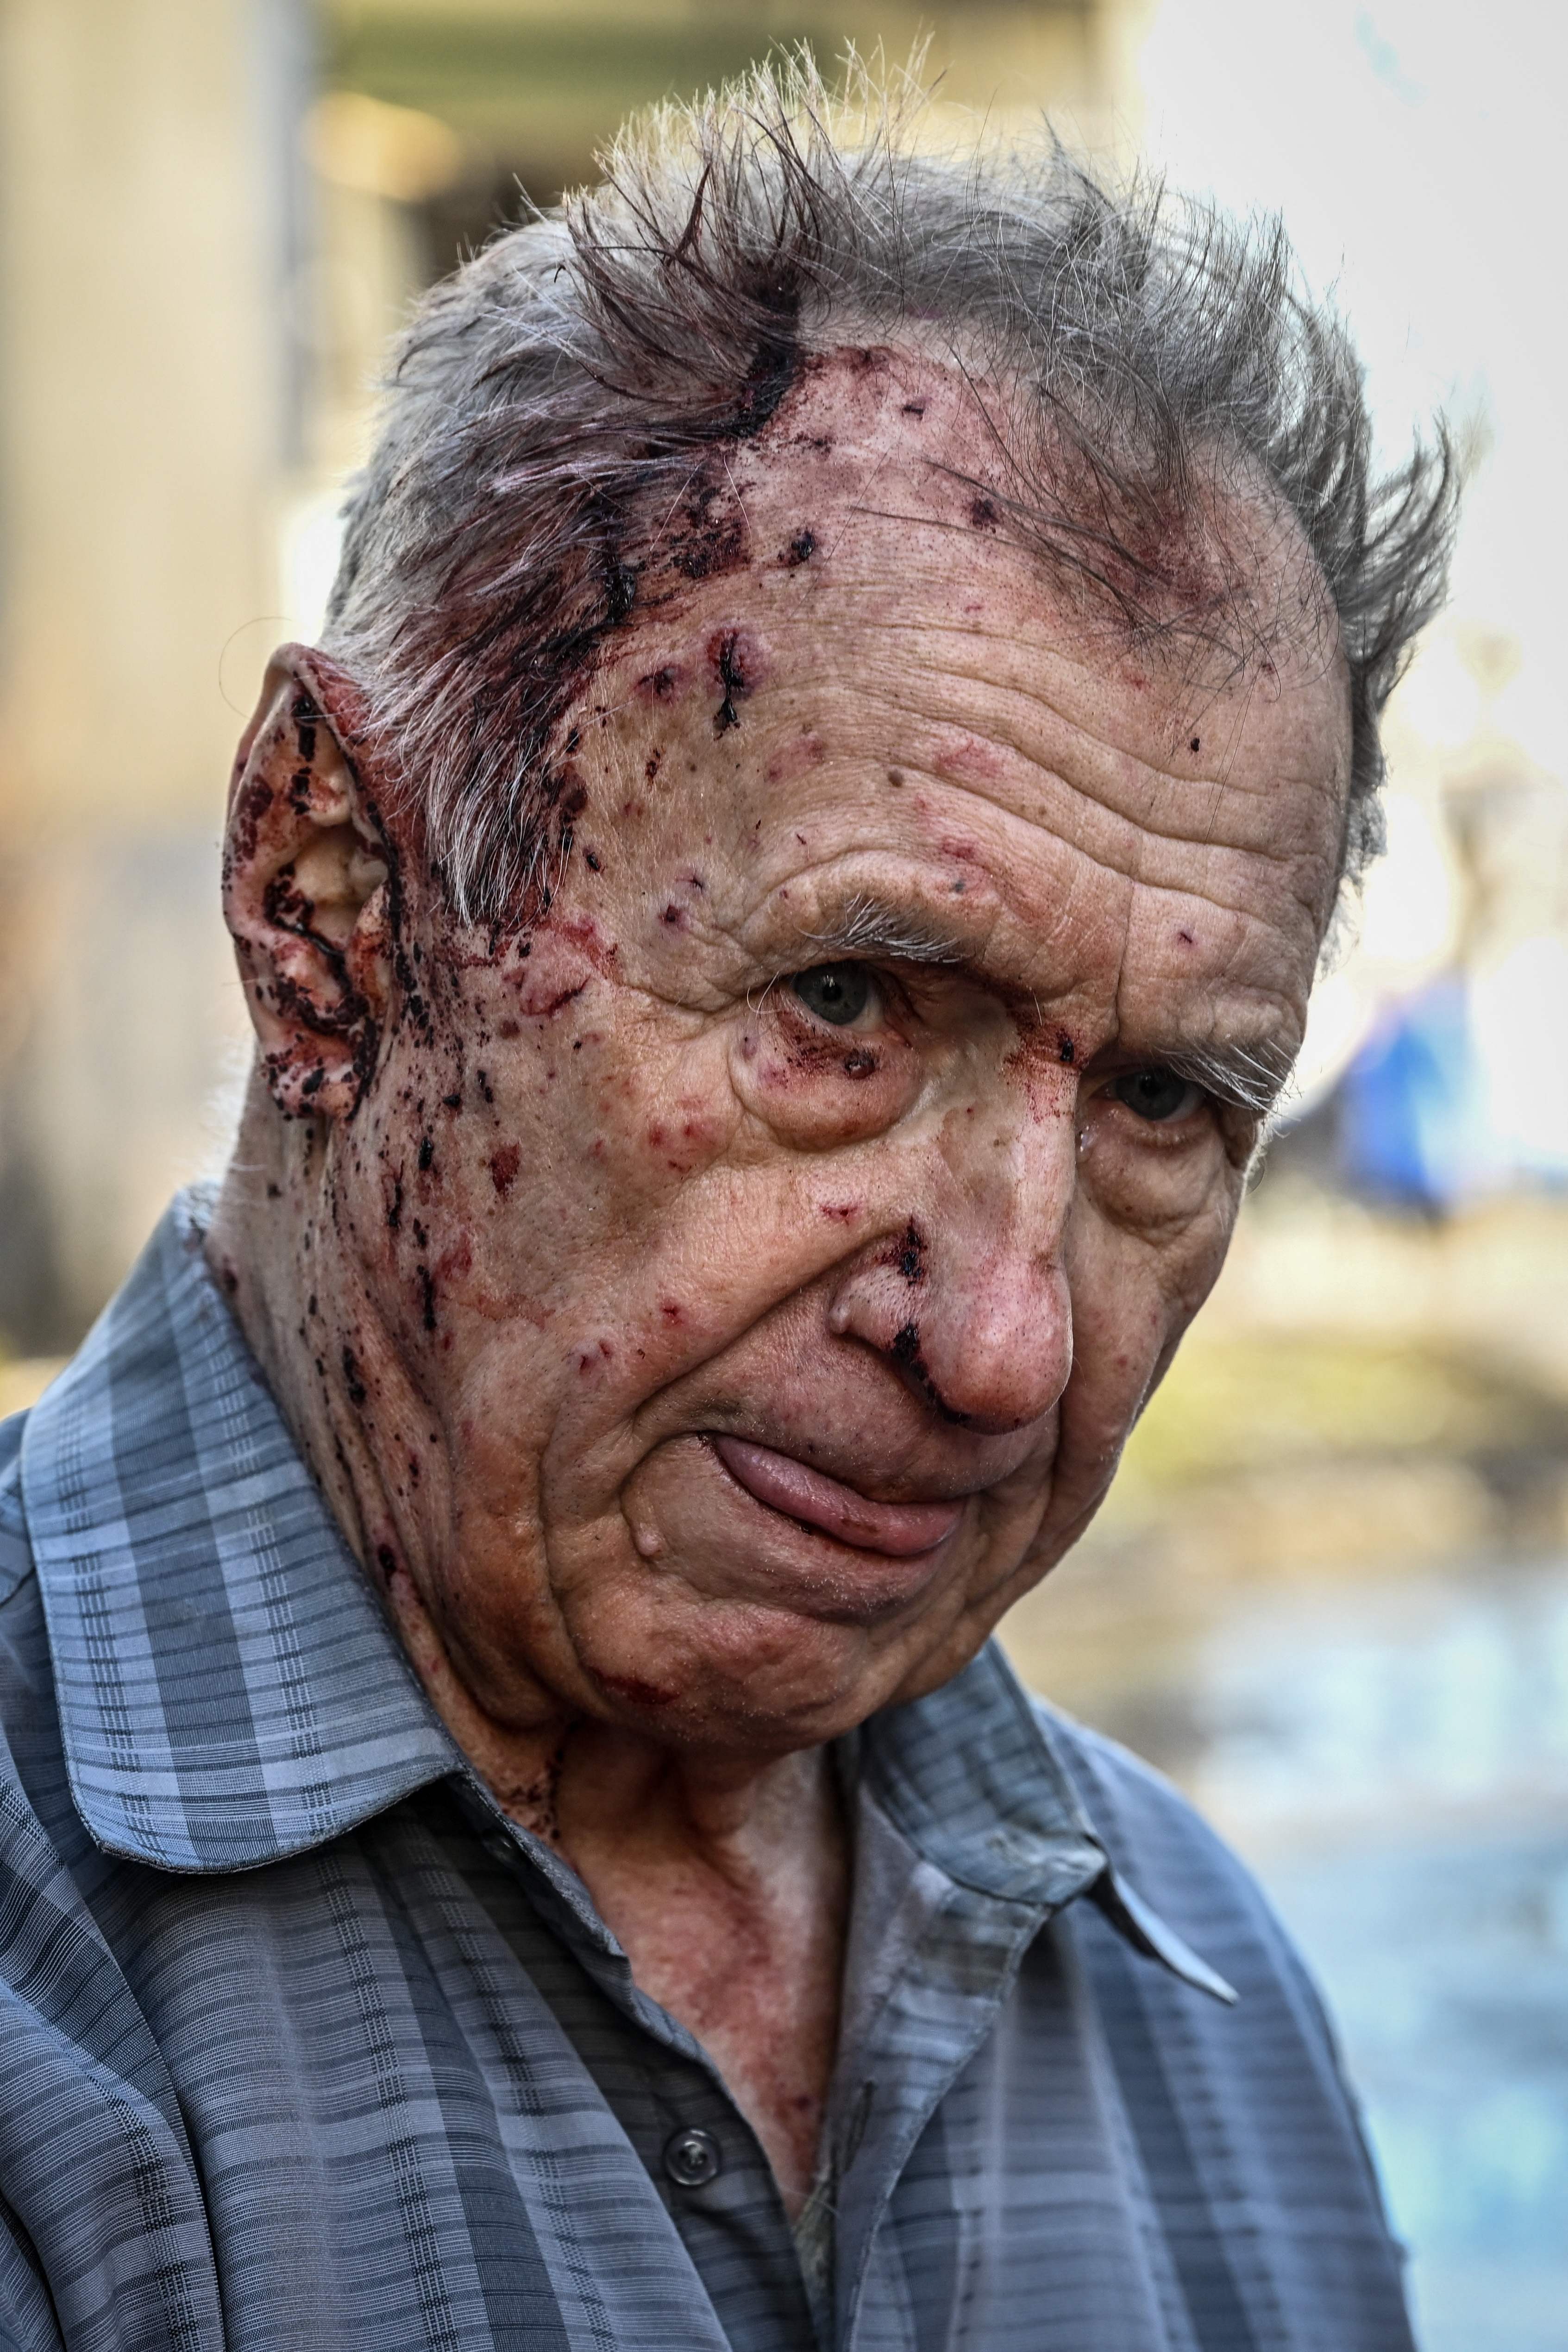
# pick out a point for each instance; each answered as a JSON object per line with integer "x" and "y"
{"x": 969, "y": 1301}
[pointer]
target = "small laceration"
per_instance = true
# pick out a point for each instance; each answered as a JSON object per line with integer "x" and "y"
{"x": 730, "y": 661}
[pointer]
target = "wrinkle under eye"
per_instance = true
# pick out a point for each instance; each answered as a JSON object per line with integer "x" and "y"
{"x": 1156, "y": 1095}
{"x": 836, "y": 993}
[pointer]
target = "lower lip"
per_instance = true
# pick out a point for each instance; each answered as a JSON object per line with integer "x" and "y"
{"x": 895, "y": 1530}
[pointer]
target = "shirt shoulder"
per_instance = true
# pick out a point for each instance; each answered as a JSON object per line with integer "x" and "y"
{"x": 16, "y": 1552}
{"x": 34, "y": 1785}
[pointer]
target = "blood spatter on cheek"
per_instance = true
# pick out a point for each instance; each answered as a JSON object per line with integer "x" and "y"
{"x": 550, "y": 968}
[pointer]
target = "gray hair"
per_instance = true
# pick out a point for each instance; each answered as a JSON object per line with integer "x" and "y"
{"x": 556, "y": 421}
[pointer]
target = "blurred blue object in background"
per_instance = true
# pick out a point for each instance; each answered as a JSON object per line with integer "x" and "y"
{"x": 1414, "y": 1132}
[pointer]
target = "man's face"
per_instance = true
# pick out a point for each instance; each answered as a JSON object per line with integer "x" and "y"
{"x": 757, "y": 1265}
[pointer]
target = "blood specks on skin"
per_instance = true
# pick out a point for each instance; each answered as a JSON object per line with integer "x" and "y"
{"x": 1065, "y": 1049}
{"x": 913, "y": 408}
{"x": 710, "y": 536}
{"x": 552, "y": 1005}
{"x": 983, "y": 514}
{"x": 1187, "y": 939}
{"x": 734, "y": 664}
{"x": 843, "y": 1211}
{"x": 911, "y": 1254}
{"x": 637, "y": 1693}
{"x": 801, "y": 550}
{"x": 504, "y": 1163}
{"x": 659, "y": 684}
{"x": 906, "y": 1352}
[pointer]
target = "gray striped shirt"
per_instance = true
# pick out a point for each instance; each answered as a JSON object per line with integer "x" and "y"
{"x": 306, "y": 2046}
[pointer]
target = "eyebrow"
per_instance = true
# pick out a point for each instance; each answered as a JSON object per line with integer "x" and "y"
{"x": 1252, "y": 1075}
{"x": 866, "y": 926}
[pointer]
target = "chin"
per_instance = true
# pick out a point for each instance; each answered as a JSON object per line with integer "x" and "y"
{"x": 752, "y": 1677}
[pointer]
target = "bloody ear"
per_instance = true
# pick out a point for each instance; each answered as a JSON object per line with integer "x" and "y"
{"x": 305, "y": 890}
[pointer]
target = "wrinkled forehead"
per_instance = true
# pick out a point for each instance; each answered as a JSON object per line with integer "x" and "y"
{"x": 878, "y": 448}
{"x": 890, "y": 532}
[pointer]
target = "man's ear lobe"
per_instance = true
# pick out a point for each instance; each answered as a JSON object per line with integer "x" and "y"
{"x": 305, "y": 893}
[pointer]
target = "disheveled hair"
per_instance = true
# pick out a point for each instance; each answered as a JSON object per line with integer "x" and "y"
{"x": 556, "y": 421}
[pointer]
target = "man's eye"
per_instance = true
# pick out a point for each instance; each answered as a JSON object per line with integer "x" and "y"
{"x": 838, "y": 992}
{"x": 1156, "y": 1095}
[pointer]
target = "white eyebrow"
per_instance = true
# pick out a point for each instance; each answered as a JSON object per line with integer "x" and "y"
{"x": 866, "y": 926}
{"x": 1252, "y": 1077}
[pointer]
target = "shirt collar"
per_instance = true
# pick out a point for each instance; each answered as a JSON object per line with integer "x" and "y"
{"x": 230, "y": 1691}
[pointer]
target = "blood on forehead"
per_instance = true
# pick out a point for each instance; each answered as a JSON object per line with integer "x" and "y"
{"x": 1207, "y": 572}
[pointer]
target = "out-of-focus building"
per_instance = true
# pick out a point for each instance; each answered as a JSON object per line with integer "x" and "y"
{"x": 153, "y": 396}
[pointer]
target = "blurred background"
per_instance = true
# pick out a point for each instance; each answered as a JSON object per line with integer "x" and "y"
{"x": 1329, "y": 1593}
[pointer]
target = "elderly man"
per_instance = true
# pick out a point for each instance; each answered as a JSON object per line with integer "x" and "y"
{"x": 771, "y": 926}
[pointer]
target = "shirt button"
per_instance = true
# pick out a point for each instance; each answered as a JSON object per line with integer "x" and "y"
{"x": 692, "y": 2158}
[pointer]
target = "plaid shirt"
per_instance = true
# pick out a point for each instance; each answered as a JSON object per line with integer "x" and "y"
{"x": 306, "y": 2046}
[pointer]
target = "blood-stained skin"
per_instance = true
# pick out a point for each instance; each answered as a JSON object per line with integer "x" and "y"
{"x": 699, "y": 1356}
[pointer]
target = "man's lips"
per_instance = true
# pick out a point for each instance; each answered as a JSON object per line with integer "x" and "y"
{"x": 900, "y": 1529}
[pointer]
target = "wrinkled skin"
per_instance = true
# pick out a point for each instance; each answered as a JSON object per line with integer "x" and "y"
{"x": 697, "y": 1372}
